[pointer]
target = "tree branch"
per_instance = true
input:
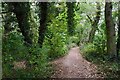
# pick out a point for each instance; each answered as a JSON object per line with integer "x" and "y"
{"x": 90, "y": 19}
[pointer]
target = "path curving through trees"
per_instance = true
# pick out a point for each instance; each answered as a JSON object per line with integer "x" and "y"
{"x": 73, "y": 65}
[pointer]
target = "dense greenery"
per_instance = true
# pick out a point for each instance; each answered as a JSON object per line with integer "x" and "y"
{"x": 36, "y": 33}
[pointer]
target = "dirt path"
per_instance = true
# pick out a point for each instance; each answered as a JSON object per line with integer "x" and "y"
{"x": 74, "y": 65}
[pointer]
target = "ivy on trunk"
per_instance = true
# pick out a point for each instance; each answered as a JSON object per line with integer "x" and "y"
{"x": 22, "y": 12}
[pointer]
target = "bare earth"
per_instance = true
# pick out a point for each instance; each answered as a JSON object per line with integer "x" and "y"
{"x": 74, "y": 65}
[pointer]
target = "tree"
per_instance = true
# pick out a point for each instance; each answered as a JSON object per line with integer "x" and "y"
{"x": 70, "y": 17}
{"x": 94, "y": 23}
{"x": 118, "y": 39}
{"x": 22, "y": 12}
{"x": 7, "y": 18}
{"x": 43, "y": 21}
{"x": 110, "y": 28}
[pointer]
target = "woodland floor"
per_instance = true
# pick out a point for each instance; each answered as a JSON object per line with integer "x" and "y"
{"x": 73, "y": 65}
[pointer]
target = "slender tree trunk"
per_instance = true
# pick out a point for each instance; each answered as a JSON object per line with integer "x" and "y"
{"x": 43, "y": 22}
{"x": 70, "y": 17}
{"x": 118, "y": 39}
{"x": 22, "y": 12}
{"x": 111, "y": 37}
{"x": 94, "y": 23}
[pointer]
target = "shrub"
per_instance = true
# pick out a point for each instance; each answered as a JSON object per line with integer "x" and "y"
{"x": 15, "y": 51}
{"x": 72, "y": 41}
{"x": 89, "y": 51}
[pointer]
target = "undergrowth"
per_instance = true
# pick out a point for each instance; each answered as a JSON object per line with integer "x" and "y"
{"x": 14, "y": 50}
{"x": 97, "y": 55}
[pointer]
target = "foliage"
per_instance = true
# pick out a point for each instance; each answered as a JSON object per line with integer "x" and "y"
{"x": 72, "y": 41}
{"x": 14, "y": 50}
{"x": 96, "y": 53}
{"x": 57, "y": 42}
{"x": 93, "y": 54}
{"x": 56, "y": 36}
{"x": 37, "y": 59}
{"x": 89, "y": 51}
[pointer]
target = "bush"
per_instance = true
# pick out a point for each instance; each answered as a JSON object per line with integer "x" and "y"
{"x": 72, "y": 41}
{"x": 95, "y": 54}
{"x": 57, "y": 46}
{"x": 56, "y": 37}
{"x": 100, "y": 43}
{"x": 89, "y": 51}
{"x": 15, "y": 51}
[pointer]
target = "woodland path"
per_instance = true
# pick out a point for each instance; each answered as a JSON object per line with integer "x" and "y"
{"x": 73, "y": 65}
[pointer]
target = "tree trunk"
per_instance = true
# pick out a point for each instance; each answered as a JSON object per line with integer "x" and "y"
{"x": 111, "y": 38}
{"x": 22, "y": 12}
{"x": 43, "y": 21}
{"x": 118, "y": 39}
{"x": 94, "y": 23}
{"x": 7, "y": 18}
{"x": 70, "y": 18}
